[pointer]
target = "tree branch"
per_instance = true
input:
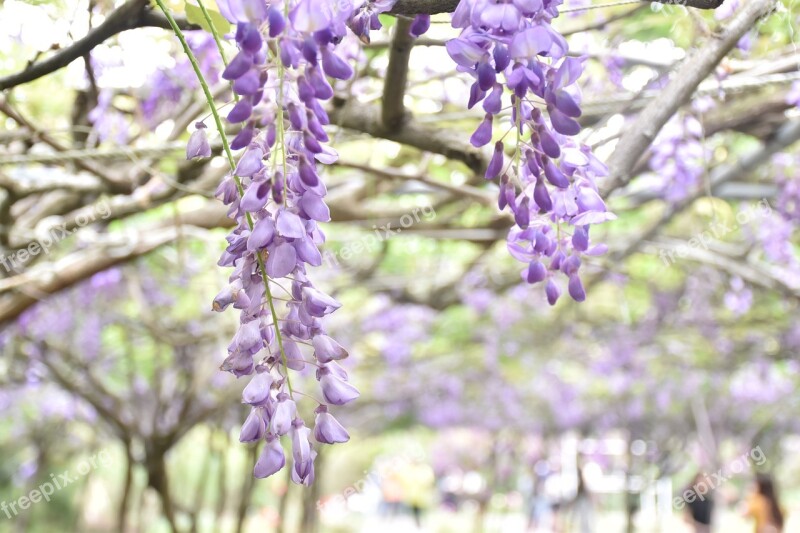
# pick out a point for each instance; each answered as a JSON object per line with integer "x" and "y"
{"x": 394, "y": 88}
{"x": 784, "y": 137}
{"x": 637, "y": 138}
{"x": 114, "y": 185}
{"x": 130, "y": 15}
{"x": 20, "y": 292}
{"x": 433, "y": 7}
{"x": 450, "y": 144}
{"x": 137, "y": 14}
{"x": 466, "y": 191}
{"x": 759, "y": 274}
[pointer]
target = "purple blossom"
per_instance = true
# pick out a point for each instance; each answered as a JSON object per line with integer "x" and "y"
{"x": 276, "y": 205}
{"x": 679, "y": 157}
{"x": 793, "y": 96}
{"x": 551, "y": 182}
{"x": 335, "y": 390}
{"x": 271, "y": 460}
{"x": 327, "y": 429}
{"x": 420, "y": 25}
{"x": 303, "y": 455}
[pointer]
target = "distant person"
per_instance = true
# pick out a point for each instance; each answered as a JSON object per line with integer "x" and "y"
{"x": 392, "y": 492}
{"x": 763, "y": 506}
{"x": 541, "y": 510}
{"x": 699, "y": 511}
{"x": 418, "y": 483}
{"x": 582, "y": 508}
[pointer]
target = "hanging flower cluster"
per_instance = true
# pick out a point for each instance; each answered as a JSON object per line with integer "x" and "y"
{"x": 787, "y": 201}
{"x": 679, "y": 157}
{"x": 275, "y": 195}
{"x": 287, "y": 51}
{"x": 364, "y": 17}
{"x": 519, "y": 62}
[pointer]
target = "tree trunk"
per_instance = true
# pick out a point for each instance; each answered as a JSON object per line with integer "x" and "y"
{"x": 122, "y": 510}
{"x": 247, "y": 491}
{"x": 310, "y": 519}
{"x": 630, "y": 496}
{"x": 157, "y": 479}
{"x": 283, "y": 505}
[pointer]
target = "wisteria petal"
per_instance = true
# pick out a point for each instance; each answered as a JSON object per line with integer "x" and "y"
{"x": 334, "y": 66}
{"x": 198, "y": 146}
{"x": 576, "y": 290}
{"x": 464, "y": 52}
{"x": 311, "y": 15}
{"x": 336, "y": 391}
{"x": 530, "y": 43}
{"x": 271, "y": 460}
{"x": 262, "y": 235}
{"x": 281, "y": 261}
{"x": 326, "y": 349}
{"x": 563, "y": 124}
{"x": 258, "y": 389}
{"x": 254, "y": 426}
{"x": 315, "y": 207}
{"x": 238, "y": 67}
{"x": 289, "y": 225}
{"x": 285, "y": 410}
{"x": 250, "y": 163}
{"x": 327, "y": 429}
{"x": 482, "y": 135}
{"x": 241, "y": 111}
{"x": 255, "y": 197}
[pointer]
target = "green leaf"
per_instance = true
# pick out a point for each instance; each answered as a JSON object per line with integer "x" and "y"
{"x": 387, "y": 21}
{"x": 195, "y": 16}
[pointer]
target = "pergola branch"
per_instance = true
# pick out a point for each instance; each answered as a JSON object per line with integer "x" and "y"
{"x": 110, "y": 181}
{"x": 130, "y": 15}
{"x": 137, "y": 14}
{"x": 433, "y": 7}
{"x": 784, "y": 137}
{"x": 449, "y": 143}
{"x": 637, "y": 138}
{"x": 758, "y": 274}
{"x": 23, "y": 290}
{"x": 394, "y": 88}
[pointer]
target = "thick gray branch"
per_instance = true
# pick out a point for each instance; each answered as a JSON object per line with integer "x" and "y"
{"x": 449, "y": 143}
{"x": 113, "y": 184}
{"x": 432, "y": 7}
{"x": 394, "y": 88}
{"x": 22, "y": 291}
{"x": 784, "y": 137}
{"x": 759, "y": 274}
{"x": 137, "y": 14}
{"x": 132, "y": 14}
{"x": 637, "y": 138}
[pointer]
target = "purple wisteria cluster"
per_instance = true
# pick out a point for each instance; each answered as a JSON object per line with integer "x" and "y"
{"x": 166, "y": 87}
{"x": 679, "y": 157}
{"x": 287, "y": 52}
{"x": 519, "y": 63}
{"x": 787, "y": 202}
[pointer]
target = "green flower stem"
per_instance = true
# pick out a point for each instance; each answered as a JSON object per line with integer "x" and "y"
{"x": 207, "y": 16}
{"x": 227, "y": 148}
{"x": 517, "y": 125}
{"x": 217, "y": 40}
